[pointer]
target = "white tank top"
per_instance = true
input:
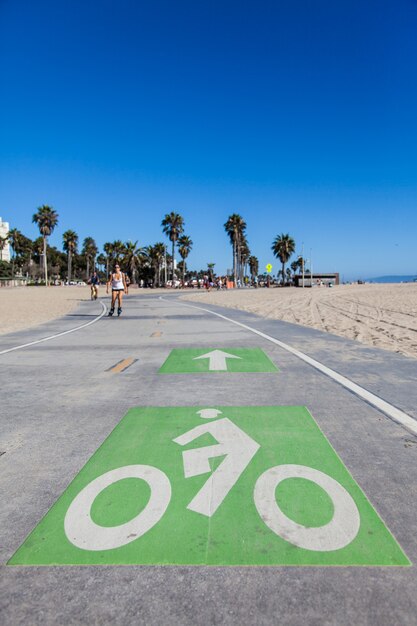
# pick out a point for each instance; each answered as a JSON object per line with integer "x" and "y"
{"x": 117, "y": 284}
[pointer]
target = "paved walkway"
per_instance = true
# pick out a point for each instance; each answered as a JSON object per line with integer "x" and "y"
{"x": 216, "y": 462}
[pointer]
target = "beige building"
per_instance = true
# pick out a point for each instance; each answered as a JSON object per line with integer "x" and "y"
{"x": 4, "y": 231}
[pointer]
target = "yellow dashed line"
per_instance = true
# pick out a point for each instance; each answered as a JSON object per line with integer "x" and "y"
{"x": 157, "y": 333}
{"x": 122, "y": 365}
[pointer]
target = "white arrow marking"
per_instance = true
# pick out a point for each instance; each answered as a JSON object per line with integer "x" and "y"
{"x": 217, "y": 359}
{"x": 208, "y": 414}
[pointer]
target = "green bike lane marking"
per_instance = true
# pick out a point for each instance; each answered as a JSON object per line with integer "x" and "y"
{"x": 213, "y": 486}
{"x": 193, "y": 360}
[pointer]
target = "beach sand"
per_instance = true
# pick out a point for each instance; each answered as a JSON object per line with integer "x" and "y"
{"x": 380, "y": 315}
{"x": 384, "y": 316}
{"x": 25, "y": 307}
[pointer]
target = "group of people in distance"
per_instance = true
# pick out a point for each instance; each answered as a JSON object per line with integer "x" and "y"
{"x": 209, "y": 282}
{"x": 119, "y": 283}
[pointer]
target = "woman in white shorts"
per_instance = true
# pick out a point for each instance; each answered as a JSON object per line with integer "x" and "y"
{"x": 118, "y": 286}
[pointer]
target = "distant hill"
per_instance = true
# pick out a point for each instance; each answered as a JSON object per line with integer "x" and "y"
{"x": 392, "y": 279}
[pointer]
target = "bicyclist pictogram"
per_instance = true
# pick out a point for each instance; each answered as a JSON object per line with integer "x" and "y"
{"x": 213, "y": 485}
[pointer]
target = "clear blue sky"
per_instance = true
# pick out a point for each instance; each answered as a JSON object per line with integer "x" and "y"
{"x": 299, "y": 115}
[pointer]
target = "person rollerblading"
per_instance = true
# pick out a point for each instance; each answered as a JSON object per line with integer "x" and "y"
{"x": 117, "y": 280}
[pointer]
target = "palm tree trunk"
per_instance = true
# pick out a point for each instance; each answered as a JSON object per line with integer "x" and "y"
{"x": 183, "y": 271}
{"x": 234, "y": 261}
{"x": 173, "y": 261}
{"x": 45, "y": 262}
{"x": 69, "y": 265}
{"x": 283, "y": 274}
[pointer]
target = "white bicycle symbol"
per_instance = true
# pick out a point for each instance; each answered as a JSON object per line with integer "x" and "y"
{"x": 238, "y": 449}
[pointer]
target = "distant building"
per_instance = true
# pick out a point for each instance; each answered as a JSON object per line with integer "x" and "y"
{"x": 4, "y": 231}
{"x": 319, "y": 280}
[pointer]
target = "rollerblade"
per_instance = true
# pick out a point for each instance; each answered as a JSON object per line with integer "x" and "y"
{"x": 111, "y": 311}
{"x": 119, "y": 310}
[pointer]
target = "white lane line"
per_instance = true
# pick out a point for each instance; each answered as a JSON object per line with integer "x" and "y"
{"x": 66, "y": 332}
{"x": 391, "y": 411}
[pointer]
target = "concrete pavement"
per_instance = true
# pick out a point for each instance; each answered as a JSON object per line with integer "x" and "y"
{"x": 60, "y": 401}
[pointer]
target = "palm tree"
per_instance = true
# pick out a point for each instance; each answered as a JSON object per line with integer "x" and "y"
{"x": 131, "y": 258}
{"x": 36, "y": 255}
{"x": 210, "y": 272}
{"x": 15, "y": 240}
{"x": 185, "y": 246}
{"x": 70, "y": 243}
{"x": 235, "y": 227}
{"x": 118, "y": 251}
{"x": 161, "y": 258}
{"x": 46, "y": 219}
{"x": 21, "y": 247}
{"x": 294, "y": 266}
{"x": 283, "y": 247}
{"x": 253, "y": 266}
{"x": 173, "y": 227}
{"x": 38, "y": 247}
{"x": 244, "y": 254}
{"x": 89, "y": 250}
{"x": 108, "y": 250}
{"x": 155, "y": 256}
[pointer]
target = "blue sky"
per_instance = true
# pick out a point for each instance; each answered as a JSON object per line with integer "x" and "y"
{"x": 299, "y": 115}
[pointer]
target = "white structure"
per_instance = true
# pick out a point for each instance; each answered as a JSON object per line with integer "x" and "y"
{"x": 4, "y": 231}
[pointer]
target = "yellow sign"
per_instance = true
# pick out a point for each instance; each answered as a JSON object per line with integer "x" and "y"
{"x": 268, "y": 268}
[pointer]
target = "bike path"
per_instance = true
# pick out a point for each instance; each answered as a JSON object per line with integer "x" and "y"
{"x": 76, "y": 401}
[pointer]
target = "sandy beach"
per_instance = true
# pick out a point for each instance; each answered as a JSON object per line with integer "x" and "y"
{"x": 25, "y": 307}
{"x": 380, "y": 315}
{"x": 384, "y": 316}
